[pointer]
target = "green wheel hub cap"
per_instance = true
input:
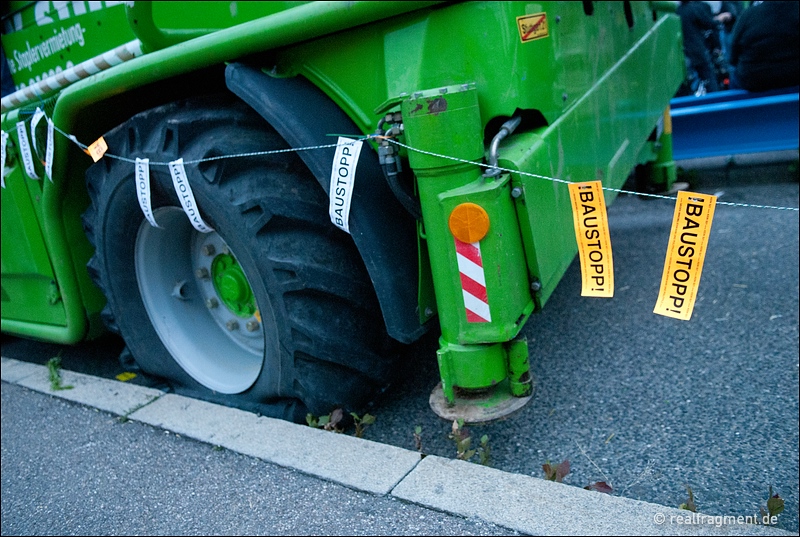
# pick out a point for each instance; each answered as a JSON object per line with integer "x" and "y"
{"x": 231, "y": 286}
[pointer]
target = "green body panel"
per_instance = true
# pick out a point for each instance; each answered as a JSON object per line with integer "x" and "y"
{"x": 28, "y": 277}
{"x": 599, "y": 138}
{"x": 594, "y": 82}
{"x": 46, "y": 290}
{"x": 162, "y": 24}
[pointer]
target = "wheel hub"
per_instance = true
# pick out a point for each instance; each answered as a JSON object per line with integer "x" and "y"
{"x": 231, "y": 285}
{"x": 200, "y": 302}
{"x": 226, "y": 291}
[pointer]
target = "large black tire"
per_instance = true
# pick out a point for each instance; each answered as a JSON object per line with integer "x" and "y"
{"x": 286, "y": 321}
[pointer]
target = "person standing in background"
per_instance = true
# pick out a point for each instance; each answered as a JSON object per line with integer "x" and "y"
{"x": 726, "y": 16}
{"x": 765, "y": 50}
{"x": 699, "y": 27}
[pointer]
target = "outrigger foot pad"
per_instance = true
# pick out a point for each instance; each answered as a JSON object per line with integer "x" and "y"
{"x": 477, "y": 406}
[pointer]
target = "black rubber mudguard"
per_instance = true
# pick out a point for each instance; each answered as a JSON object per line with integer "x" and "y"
{"x": 384, "y": 233}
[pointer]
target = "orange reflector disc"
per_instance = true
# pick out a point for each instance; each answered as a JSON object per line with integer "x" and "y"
{"x": 469, "y": 222}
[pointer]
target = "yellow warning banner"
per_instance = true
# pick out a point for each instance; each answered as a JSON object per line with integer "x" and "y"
{"x": 594, "y": 243}
{"x": 691, "y": 226}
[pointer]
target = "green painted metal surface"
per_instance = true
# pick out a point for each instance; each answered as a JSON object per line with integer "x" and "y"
{"x": 599, "y": 138}
{"x": 597, "y": 86}
{"x": 592, "y": 76}
{"x": 162, "y": 24}
{"x": 28, "y": 277}
{"x": 231, "y": 285}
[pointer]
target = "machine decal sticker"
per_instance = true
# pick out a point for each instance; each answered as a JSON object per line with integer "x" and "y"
{"x": 532, "y": 27}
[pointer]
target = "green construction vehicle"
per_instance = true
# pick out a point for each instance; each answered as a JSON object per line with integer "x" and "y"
{"x": 267, "y": 200}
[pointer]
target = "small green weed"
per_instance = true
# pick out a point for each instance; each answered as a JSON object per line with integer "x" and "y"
{"x": 362, "y": 423}
{"x": 329, "y": 423}
{"x": 335, "y": 422}
{"x": 600, "y": 486}
{"x": 460, "y": 435}
{"x": 556, "y": 473}
{"x": 484, "y": 452}
{"x": 418, "y": 438}
{"x": 689, "y": 504}
{"x": 775, "y": 505}
{"x": 54, "y": 372}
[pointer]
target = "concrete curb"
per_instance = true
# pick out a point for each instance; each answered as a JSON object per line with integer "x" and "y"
{"x": 349, "y": 461}
{"x": 522, "y": 503}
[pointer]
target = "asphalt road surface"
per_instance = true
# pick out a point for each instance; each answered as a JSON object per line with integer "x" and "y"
{"x": 651, "y": 405}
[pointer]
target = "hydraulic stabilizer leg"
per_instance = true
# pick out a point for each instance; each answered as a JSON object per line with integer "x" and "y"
{"x": 659, "y": 173}
{"x": 478, "y": 265}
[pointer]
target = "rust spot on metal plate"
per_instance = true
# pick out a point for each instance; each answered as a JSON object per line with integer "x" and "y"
{"x": 416, "y": 109}
{"x": 437, "y": 105}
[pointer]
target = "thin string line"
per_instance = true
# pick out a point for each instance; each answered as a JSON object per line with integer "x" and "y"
{"x": 422, "y": 151}
{"x": 207, "y": 159}
{"x": 556, "y": 180}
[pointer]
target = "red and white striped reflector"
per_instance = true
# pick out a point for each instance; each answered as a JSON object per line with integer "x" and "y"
{"x": 473, "y": 283}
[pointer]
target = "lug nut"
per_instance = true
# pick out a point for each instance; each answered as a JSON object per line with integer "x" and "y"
{"x": 516, "y": 192}
{"x": 201, "y": 273}
{"x": 232, "y": 325}
{"x": 251, "y": 326}
{"x": 212, "y": 303}
{"x": 208, "y": 249}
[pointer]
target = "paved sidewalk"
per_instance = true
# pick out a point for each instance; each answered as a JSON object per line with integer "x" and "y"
{"x": 453, "y": 496}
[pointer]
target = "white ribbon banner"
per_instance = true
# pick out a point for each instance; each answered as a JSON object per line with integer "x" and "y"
{"x": 3, "y": 143}
{"x": 343, "y": 176}
{"x": 48, "y": 154}
{"x": 143, "y": 189}
{"x": 25, "y": 150}
{"x": 186, "y": 197}
{"x": 37, "y": 117}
